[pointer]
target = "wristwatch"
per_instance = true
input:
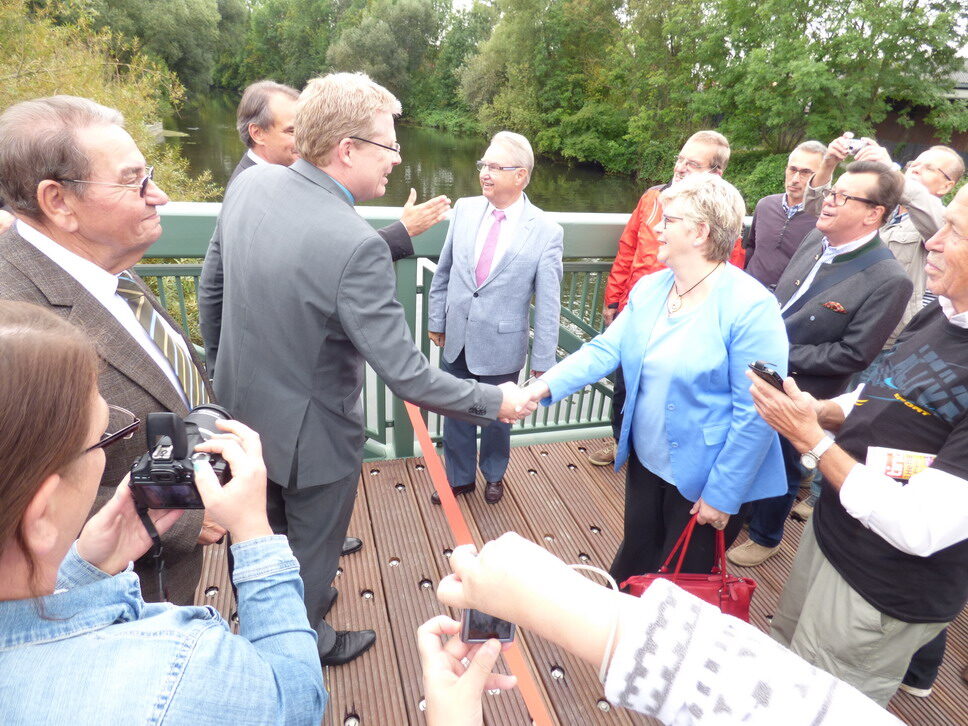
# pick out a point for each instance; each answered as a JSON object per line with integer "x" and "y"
{"x": 811, "y": 459}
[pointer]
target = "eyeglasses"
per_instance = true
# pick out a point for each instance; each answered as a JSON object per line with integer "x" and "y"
{"x": 915, "y": 164}
{"x": 839, "y": 199}
{"x": 482, "y": 165}
{"x": 667, "y": 220}
{"x": 141, "y": 186}
{"x": 797, "y": 171}
{"x": 694, "y": 165}
{"x": 396, "y": 148}
{"x": 121, "y": 425}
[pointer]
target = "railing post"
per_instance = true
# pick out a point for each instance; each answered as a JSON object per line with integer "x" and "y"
{"x": 406, "y": 270}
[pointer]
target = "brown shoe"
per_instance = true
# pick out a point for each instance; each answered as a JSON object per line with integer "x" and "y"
{"x": 493, "y": 492}
{"x": 750, "y": 554}
{"x": 465, "y": 489}
{"x": 603, "y": 457}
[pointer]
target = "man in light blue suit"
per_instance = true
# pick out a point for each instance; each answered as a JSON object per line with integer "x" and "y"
{"x": 500, "y": 251}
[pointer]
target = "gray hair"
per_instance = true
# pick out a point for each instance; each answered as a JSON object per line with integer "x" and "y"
{"x": 957, "y": 168}
{"x": 812, "y": 147}
{"x": 254, "y": 107}
{"x": 39, "y": 140}
{"x": 518, "y": 147}
{"x": 711, "y": 199}
{"x": 714, "y": 138}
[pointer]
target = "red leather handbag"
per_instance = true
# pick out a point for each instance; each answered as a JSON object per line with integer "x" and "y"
{"x": 729, "y": 593}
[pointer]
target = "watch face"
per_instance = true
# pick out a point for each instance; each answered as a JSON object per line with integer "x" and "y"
{"x": 808, "y": 460}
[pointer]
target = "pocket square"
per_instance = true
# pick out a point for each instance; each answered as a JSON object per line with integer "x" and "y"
{"x": 835, "y": 306}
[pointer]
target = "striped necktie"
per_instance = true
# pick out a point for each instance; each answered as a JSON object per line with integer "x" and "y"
{"x": 188, "y": 375}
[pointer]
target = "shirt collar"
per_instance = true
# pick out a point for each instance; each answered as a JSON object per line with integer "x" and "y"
{"x": 959, "y": 320}
{"x": 790, "y": 211}
{"x": 346, "y": 191}
{"x": 829, "y": 251}
{"x": 512, "y": 213}
{"x": 95, "y": 279}
{"x": 255, "y": 157}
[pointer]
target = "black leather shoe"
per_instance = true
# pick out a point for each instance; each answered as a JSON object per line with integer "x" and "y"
{"x": 350, "y": 644}
{"x": 333, "y": 594}
{"x": 465, "y": 489}
{"x": 494, "y": 491}
{"x": 351, "y": 545}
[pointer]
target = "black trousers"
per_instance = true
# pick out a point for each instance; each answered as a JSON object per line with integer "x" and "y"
{"x": 655, "y": 515}
{"x": 926, "y": 662}
{"x": 315, "y": 521}
{"x": 618, "y": 401}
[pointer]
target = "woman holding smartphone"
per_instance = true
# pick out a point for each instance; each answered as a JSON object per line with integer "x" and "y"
{"x": 693, "y": 441}
{"x": 78, "y": 644}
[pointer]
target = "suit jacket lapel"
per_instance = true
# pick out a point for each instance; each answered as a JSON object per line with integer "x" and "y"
{"x": 114, "y": 344}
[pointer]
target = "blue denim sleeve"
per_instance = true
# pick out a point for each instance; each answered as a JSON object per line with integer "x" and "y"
{"x": 269, "y": 673}
{"x": 75, "y": 571}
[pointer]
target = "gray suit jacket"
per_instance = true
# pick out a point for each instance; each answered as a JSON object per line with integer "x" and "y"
{"x": 490, "y": 323}
{"x": 211, "y": 281}
{"x": 128, "y": 378}
{"x": 309, "y": 296}
{"x": 826, "y": 346}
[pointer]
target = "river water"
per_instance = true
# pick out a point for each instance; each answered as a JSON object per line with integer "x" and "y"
{"x": 434, "y": 162}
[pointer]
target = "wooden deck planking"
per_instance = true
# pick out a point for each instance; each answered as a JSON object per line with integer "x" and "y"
{"x": 551, "y": 490}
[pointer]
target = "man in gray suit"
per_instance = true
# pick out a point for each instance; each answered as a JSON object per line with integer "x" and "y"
{"x": 266, "y": 120}
{"x": 85, "y": 206}
{"x": 500, "y": 251}
{"x": 841, "y": 296}
{"x": 309, "y": 297}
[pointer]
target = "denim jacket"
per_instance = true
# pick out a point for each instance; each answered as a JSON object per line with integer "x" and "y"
{"x": 95, "y": 652}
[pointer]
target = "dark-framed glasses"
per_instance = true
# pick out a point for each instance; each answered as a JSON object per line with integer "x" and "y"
{"x": 396, "y": 148}
{"x": 915, "y": 164}
{"x": 839, "y": 199}
{"x": 667, "y": 220}
{"x": 121, "y": 425}
{"x": 482, "y": 165}
{"x": 141, "y": 185}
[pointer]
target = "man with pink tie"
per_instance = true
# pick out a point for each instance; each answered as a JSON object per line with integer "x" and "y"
{"x": 500, "y": 251}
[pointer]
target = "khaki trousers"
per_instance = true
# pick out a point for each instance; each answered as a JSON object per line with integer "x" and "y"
{"x": 827, "y": 623}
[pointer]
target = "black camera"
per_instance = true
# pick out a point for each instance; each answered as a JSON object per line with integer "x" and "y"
{"x": 164, "y": 477}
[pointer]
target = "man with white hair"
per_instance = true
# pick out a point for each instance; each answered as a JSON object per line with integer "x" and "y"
{"x": 500, "y": 251}
{"x": 308, "y": 298}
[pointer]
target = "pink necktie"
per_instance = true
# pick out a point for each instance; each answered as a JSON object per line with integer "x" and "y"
{"x": 490, "y": 244}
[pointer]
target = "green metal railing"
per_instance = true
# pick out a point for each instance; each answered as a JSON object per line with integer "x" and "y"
{"x": 590, "y": 241}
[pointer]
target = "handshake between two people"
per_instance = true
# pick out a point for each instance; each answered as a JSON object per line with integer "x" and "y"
{"x": 521, "y": 401}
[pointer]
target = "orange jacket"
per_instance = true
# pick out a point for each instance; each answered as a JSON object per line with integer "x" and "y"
{"x": 638, "y": 247}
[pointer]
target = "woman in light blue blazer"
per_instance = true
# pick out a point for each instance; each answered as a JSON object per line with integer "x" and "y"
{"x": 694, "y": 441}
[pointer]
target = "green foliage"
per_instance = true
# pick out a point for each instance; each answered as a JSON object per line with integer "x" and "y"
{"x": 42, "y": 58}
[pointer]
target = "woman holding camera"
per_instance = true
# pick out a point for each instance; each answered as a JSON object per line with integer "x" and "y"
{"x": 78, "y": 644}
{"x": 694, "y": 442}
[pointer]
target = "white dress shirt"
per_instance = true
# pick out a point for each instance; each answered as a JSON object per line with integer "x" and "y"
{"x": 104, "y": 287}
{"x": 829, "y": 253}
{"x": 255, "y": 157}
{"x": 508, "y": 226}
{"x": 920, "y": 518}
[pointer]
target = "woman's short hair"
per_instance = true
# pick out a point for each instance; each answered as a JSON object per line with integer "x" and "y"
{"x": 336, "y": 106}
{"x": 39, "y": 140}
{"x": 49, "y": 375}
{"x": 711, "y": 199}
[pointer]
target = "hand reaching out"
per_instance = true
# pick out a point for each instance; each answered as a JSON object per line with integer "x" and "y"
{"x": 517, "y": 403}
{"x": 418, "y": 218}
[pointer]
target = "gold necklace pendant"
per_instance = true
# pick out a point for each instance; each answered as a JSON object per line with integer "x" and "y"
{"x": 674, "y": 305}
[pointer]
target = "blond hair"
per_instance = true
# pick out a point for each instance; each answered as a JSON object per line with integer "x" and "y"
{"x": 716, "y": 139}
{"x": 334, "y": 107}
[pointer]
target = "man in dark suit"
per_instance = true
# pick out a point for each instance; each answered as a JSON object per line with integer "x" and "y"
{"x": 309, "y": 297}
{"x": 266, "y": 120}
{"x": 841, "y": 296}
{"x": 85, "y": 206}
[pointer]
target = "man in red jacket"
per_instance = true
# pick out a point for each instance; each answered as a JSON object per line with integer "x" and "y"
{"x": 705, "y": 152}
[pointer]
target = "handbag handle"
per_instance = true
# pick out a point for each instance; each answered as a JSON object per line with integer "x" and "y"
{"x": 682, "y": 544}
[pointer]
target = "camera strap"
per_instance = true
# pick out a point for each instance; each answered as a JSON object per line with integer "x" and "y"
{"x": 157, "y": 550}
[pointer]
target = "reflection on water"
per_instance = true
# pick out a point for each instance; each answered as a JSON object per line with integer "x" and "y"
{"x": 434, "y": 162}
